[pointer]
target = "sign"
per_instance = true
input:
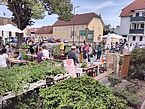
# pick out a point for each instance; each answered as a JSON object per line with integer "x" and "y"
{"x": 88, "y": 34}
{"x": 70, "y": 67}
{"x": 82, "y": 33}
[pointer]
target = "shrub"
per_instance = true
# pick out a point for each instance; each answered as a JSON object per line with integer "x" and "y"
{"x": 137, "y": 64}
{"x": 80, "y": 93}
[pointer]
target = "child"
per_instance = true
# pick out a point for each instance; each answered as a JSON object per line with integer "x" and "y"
{"x": 18, "y": 55}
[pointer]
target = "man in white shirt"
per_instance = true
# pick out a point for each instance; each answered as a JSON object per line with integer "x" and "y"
{"x": 45, "y": 52}
{"x": 3, "y": 58}
{"x": 126, "y": 49}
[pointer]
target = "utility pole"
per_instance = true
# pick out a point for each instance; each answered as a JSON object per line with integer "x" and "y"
{"x": 73, "y": 32}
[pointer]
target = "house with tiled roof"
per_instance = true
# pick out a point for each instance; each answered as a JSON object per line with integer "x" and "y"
{"x": 132, "y": 23}
{"x": 44, "y": 31}
{"x": 6, "y": 34}
{"x": 71, "y": 30}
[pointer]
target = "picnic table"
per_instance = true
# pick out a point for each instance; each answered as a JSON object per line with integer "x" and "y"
{"x": 12, "y": 61}
{"x": 33, "y": 56}
{"x": 93, "y": 68}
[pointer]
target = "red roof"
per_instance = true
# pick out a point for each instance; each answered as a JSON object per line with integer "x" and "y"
{"x": 4, "y": 21}
{"x": 33, "y": 30}
{"x": 79, "y": 19}
{"x": 45, "y": 30}
{"x": 129, "y": 10}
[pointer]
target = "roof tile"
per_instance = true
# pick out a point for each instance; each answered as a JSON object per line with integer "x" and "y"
{"x": 45, "y": 30}
{"x": 78, "y": 19}
{"x": 129, "y": 10}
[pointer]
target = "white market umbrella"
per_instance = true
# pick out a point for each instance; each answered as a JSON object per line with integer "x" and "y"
{"x": 115, "y": 36}
{"x": 11, "y": 28}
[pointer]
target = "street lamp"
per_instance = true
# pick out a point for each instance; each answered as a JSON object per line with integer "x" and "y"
{"x": 73, "y": 33}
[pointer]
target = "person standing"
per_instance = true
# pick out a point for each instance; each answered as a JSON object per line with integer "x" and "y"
{"x": 40, "y": 55}
{"x": 62, "y": 48}
{"x": 89, "y": 53}
{"x": 45, "y": 52}
{"x": 31, "y": 47}
{"x": 126, "y": 48}
{"x": 84, "y": 52}
{"x": 99, "y": 51}
{"x": 72, "y": 55}
{"x": 3, "y": 58}
{"x": 77, "y": 52}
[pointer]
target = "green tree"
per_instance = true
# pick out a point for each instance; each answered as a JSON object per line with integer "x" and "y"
{"x": 24, "y": 11}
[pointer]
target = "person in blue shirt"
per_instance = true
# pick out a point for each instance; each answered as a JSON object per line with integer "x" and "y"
{"x": 18, "y": 55}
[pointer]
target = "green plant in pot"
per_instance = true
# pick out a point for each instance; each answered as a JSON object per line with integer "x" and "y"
{"x": 83, "y": 65}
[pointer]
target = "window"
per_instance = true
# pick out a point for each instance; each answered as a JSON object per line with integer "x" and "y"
{"x": 67, "y": 28}
{"x": 140, "y": 38}
{"x": 70, "y": 28}
{"x": 2, "y": 33}
{"x": 99, "y": 29}
{"x": 83, "y": 27}
{"x": 135, "y": 26}
{"x": 133, "y": 38}
{"x": 142, "y": 26}
{"x": 77, "y": 28}
{"x": 137, "y": 14}
{"x": 55, "y": 29}
{"x": 143, "y": 13}
{"x": 10, "y": 34}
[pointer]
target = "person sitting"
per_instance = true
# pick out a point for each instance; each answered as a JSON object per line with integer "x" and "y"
{"x": 3, "y": 58}
{"x": 72, "y": 55}
{"x": 45, "y": 52}
{"x": 18, "y": 55}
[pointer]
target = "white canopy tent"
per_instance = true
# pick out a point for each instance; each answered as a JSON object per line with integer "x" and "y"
{"x": 11, "y": 28}
{"x": 113, "y": 36}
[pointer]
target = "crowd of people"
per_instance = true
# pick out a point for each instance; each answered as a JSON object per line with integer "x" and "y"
{"x": 86, "y": 52}
{"x": 7, "y": 52}
{"x": 97, "y": 51}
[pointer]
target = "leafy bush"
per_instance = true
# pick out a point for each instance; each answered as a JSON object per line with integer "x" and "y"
{"x": 79, "y": 93}
{"x": 137, "y": 64}
{"x": 56, "y": 50}
{"x": 18, "y": 77}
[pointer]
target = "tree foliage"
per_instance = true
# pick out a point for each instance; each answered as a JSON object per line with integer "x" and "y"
{"x": 23, "y": 11}
{"x": 62, "y": 8}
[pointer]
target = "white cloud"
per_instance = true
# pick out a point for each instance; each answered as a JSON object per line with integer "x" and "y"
{"x": 97, "y": 6}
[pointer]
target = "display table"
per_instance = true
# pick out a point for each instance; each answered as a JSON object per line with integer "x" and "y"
{"x": 33, "y": 56}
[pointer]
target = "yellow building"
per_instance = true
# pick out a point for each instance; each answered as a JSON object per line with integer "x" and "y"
{"x": 80, "y": 22}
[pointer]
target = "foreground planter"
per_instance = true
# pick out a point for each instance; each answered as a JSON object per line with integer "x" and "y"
{"x": 92, "y": 74}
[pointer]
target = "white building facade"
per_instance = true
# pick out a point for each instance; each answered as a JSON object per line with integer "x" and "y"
{"x": 132, "y": 24}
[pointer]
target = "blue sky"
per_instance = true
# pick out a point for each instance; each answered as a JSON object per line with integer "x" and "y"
{"x": 109, "y": 9}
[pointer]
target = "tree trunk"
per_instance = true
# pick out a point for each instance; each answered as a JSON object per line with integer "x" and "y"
{"x": 20, "y": 39}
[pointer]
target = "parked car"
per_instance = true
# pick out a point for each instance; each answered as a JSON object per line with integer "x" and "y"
{"x": 51, "y": 40}
{"x": 65, "y": 41}
{"x": 58, "y": 40}
{"x": 13, "y": 40}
